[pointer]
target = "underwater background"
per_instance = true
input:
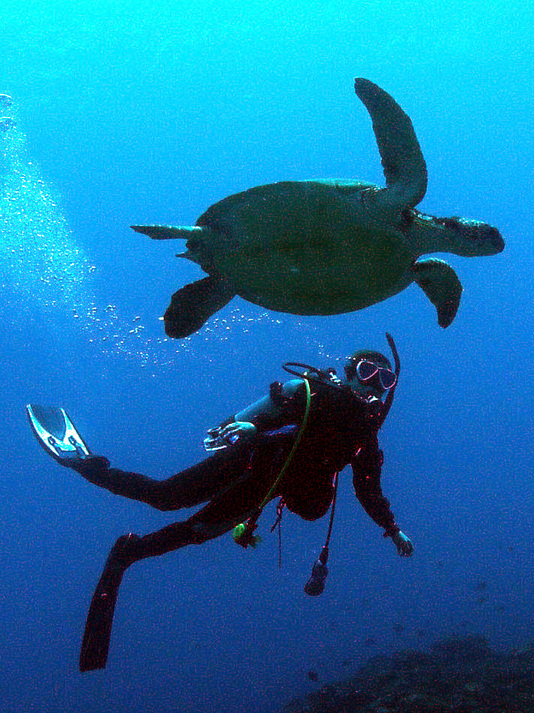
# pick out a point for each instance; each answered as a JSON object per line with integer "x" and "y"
{"x": 130, "y": 113}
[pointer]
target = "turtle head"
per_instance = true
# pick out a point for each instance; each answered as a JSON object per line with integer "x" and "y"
{"x": 469, "y": 238}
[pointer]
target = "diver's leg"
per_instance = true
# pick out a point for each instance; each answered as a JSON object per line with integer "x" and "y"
{"x": 127, "y": 550}
{"x": 192, "y": 486}
{"x": 233, "y": 505}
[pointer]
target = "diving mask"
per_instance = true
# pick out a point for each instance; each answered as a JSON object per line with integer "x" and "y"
{"x": 368, "y": 370}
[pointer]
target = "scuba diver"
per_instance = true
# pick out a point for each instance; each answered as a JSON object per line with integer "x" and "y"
{"x": 290, "y": 444}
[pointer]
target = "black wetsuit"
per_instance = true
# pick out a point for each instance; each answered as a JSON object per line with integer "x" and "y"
{"x": 340, "y": 431}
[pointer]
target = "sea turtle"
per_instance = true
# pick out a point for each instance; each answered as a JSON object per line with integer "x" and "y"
{"x": 321, "y": 247}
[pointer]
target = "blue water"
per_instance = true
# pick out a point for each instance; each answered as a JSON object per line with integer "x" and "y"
{"x": 149, "y": 114}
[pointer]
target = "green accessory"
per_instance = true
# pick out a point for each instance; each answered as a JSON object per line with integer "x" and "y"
{"x": 243, "y": 536}
{"x": 242, "y": 533}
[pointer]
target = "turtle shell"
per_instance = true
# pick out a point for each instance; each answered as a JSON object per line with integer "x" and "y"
{"x": 278, "y": 245}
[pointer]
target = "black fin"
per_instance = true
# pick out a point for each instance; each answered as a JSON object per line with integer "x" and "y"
{"x": 97, "y": 635}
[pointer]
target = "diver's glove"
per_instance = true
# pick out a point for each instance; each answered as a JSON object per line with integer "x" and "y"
{"x": 229, "y": 434}
{"x": 403, "y": 543}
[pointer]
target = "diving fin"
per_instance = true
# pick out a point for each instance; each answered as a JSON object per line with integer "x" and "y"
{"x": 57, "y": 434}
{"x": 97, "y": 635}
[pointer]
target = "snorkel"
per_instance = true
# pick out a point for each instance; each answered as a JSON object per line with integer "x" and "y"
{"x": 391, "y": 393}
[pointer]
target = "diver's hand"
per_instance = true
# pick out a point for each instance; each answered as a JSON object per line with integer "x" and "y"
{"x": 403, "y": 544}
{"x": 238, "y": 431}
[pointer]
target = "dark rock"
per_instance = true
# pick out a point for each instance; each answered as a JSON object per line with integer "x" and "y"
{"x": 464, "y": 647}
{"x": 458, "y": 675}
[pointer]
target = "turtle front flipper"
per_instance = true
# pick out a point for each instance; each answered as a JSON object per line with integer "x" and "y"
{"x": 194, "y": 304}
{"x": 441, "y": 285}
{"x": 169, "y": 232}
{"x": 402, "y": 159}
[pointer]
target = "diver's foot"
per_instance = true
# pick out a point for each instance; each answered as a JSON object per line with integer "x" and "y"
{"x": 5, "y": 101}
{"x": 122, "y": 552}
{"x": 90, "y": 465}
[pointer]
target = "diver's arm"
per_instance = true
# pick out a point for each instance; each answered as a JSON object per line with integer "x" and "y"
{"x": 270, "y": 410}
{"x": 366, "y": 468}
{"x": 238, "y": 431}
{"x": 267, "y": 414}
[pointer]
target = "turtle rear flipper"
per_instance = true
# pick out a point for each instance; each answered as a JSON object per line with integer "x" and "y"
{"x": 441, "y": 285}
{"x": 169, "y": 232}
{"x": 194, "y": 304}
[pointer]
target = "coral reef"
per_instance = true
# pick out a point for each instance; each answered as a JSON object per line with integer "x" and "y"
{"x": 457, "y": 675}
